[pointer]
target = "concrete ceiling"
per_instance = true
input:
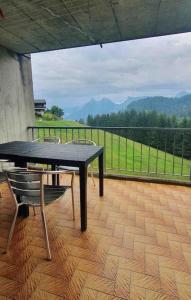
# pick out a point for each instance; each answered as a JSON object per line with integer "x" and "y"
{"x": 28, "y": 26}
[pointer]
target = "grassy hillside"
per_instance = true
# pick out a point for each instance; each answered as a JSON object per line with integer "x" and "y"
{"x": 123, "y": 156}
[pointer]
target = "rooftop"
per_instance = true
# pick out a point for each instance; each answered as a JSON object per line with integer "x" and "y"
{"x": 40, "y": 101}
{"x": 137, "y": 246}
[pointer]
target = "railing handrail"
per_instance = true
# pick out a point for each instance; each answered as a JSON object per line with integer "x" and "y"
{"x": 110, "y": 127}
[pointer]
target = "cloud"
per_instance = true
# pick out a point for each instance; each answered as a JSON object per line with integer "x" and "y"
{"x": 154, "y": 66}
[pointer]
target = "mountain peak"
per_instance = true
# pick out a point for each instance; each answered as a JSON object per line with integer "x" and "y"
{"x": 92, "y": 100}
{"x": 106, "y": 100}
{"x": 181, "y": 94}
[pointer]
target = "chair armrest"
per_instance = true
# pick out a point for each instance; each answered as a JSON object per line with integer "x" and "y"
{"x": 57, "y": 172}
{"x": 44, "y": 172}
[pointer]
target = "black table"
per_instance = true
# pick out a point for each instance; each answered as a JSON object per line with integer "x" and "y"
{"x": 58, "y": 154}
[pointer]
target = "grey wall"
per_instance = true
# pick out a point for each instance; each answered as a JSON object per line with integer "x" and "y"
{"x": 16, "y": 96}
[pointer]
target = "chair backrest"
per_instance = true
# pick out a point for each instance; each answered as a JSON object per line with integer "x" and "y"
{"x": 82, "y": 142}
{"x": 24, "y": 183}
{"x": 48, "y": 139}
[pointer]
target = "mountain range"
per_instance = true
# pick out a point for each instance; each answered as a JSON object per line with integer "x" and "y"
{"x": 95, "y": 107}
{"x": 179, "y": 106}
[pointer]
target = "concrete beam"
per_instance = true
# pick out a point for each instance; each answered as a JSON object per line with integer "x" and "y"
{"x": 16, "y": 96}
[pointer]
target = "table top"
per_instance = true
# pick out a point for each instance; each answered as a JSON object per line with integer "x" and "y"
{"x": 58, "y": 154}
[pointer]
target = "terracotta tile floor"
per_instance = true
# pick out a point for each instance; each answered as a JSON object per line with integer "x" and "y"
{"x": 137, "y": 246}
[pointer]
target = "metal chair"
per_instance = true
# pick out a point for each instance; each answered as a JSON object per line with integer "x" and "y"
{"x": 45, "y": 139}
{"x": 29, "y": 186}
{"x": 39, "y": 167}
{"x": 74, "y": 169}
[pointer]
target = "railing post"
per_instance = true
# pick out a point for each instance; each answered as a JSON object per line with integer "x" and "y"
{"x": 105, "y": 151}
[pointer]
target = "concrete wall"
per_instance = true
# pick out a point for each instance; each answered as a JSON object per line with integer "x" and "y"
{"x": 16, "y": 96}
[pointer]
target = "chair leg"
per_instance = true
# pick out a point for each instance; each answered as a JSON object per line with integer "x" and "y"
{"x": 1, "y": 194}
{"x": 47, "y": 179}
{"x": 73, "y": 207}
{"x": 46, "y": 234}
{"x": 34, "y": 211}
{"x": 92, "y": 176}
{"x": 11, "y": 230}
{"x": 72, "y": 192}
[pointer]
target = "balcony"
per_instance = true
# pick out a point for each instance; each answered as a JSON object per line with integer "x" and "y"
{"x": 137, "y": 246}
{"x": 138, "y": 242}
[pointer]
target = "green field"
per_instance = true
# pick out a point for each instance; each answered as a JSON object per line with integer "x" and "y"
{"x": 123, "y": 156}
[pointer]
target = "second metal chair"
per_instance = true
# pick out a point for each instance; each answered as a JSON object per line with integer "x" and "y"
{"x": 79, "y": 142}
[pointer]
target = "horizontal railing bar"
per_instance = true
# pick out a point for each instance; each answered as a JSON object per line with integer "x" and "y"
{"x": 148, "y": 179}
{"x": 106, "y": 128}
{"x": 146, "y": 172}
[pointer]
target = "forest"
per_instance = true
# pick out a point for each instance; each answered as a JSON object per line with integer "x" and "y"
{"x": 158, "y": 130}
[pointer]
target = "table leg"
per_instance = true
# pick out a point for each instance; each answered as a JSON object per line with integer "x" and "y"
{"x": 23, "y": 209}
{"x": 101, "y": 190}
{"x": 53, "y": 168}
{"x": 83, "y": 197}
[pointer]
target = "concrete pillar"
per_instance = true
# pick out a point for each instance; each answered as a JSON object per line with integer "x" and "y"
{"x": 16, "y": 96}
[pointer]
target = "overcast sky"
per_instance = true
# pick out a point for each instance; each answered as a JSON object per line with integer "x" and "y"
{"x": 154, "y": 66}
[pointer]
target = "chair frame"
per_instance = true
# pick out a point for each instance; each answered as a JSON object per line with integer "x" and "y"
{"x": 36, "y": 166}
{"x": 41, "y": 205}
{"x": 84, "y": 142}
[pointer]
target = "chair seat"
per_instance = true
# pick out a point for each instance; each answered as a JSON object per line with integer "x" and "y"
{"x": 51, "y": 193}
{"x": 66, "y": 168}
{"x": 75, "y": 169}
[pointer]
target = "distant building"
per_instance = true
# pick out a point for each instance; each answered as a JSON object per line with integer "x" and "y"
{"x": 39, "y": 106}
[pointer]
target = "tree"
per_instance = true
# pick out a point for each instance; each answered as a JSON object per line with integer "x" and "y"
{"x": 57, "y": 111}
{"x": 90, "y": 120}
{"x": 170, "y": 141}
{"x": 81, "y": 121}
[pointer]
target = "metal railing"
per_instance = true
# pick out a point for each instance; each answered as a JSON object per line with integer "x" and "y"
{"x": 139, "y": 151}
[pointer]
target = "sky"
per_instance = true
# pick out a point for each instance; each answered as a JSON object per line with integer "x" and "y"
{"x": 146, "y": 67}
